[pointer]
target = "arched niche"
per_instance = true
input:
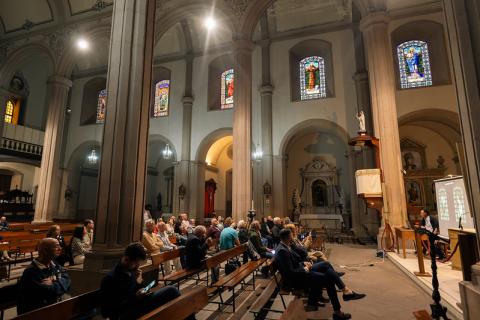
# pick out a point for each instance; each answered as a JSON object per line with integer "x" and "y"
{"x": 305, "y": 49}
{"x": 432, "y": 33}
{"x": 91, "y": 90}
{"x": 215, "y": 70}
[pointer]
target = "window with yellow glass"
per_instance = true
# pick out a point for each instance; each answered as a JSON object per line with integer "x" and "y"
{"x": 12, "y": 110}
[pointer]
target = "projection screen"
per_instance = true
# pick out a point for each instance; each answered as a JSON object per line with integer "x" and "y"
{"x": 452, "y": 204}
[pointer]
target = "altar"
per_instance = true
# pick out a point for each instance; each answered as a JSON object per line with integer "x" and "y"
{"x": 321, "y": 221}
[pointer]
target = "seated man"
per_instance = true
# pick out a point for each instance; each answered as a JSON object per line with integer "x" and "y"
{"x": 228, "y": 236}
{"x": 3, "y": 223}
{"x": 430, "y": 223}
{"x": 121, "y": 291}
{"x": 153, "y": 244}
{"x": 301, "y": 276}
{"x": 44, "y": 282}
{"x": 88, "y": 225}
{"x": 197, "y": 247}
{"x": 167, "y": 246}
{"x": 213, "y": 232}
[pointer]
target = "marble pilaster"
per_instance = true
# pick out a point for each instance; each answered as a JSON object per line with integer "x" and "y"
{"x": 384, "y": 112}
{"x": 122, "y": 175}
{"x": 48, "y": 195}
{"x": 242, "y": 130}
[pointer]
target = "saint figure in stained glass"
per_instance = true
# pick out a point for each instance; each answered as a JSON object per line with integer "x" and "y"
{"x": 414, "y": 64}
{"x": 161, "y": 101}
{"x": 458, "y": 203}
{"x": 227, "y": 89}
{"x": 312, "y": 78}
{"x": 101, "y": 105}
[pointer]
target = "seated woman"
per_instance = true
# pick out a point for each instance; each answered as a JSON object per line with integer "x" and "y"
{"x": 323, "y": 267}
{"x": 78, "y": 247}
{"x": 55, "y": 233}
{"x": 255, "y": 238}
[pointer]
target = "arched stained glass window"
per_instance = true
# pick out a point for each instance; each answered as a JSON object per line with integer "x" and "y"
{"x": 101, "y": 105}
{"x": 226, "y": 97}
{"x": 161, "y": 101}
{"x": 312, "y": 78}
{"x": 443, "y": 205}
{"x": 414, "y": 64}
{"x": 459, "y": 204}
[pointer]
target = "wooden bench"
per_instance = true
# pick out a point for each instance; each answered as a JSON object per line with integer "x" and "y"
{"x": 178, "y": 275}
{"x": 258, "y": 306}
{"x": 8, "y": 265}
{"x": 87, "y": 304}
{"x": 190, "y": 302}
{"x": 235, "y": 278}
{"x": 277, "y": 278}
{"x": 79, "y": 306}
{"x": 295, "y": 311}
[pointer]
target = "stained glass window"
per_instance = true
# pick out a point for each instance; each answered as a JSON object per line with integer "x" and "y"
{"x": 312, "y": 78}
{"x": 9, "y": 112}
{"x": 458, "y": 203}
{"x": 414, "y": 64}
{"x": 101, "y": 105}
{"x": 443, "y": 205}
{"x": 161, "y": 101}
{"x": 227, "y": 92}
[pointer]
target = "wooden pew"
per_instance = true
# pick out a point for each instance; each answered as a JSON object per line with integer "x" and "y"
{"x": 82, "y": 305}
{"x": 8, "y": 298}
{"x": 295, "y": 311}
{"x": 190, "y": 302}
{"x": 87, "y": 304}
{"x": 235, "y": 278}
{"x": 178, "y": 275}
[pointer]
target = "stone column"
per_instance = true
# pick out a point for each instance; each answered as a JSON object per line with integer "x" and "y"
{"x": 384, "y": 113}
{"x": 184, "y": 165}
{"x": 463, "y": 27}
{"x": 121, "y": 187}
{"x": 242, "y": 130}
{"x": 280, "y": 197}
{"x": 48, "y": 195}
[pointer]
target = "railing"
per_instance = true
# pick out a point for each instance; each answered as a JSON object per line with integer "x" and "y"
{"x": 21, "y": 146}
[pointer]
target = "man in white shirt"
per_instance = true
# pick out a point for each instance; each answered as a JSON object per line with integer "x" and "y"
{"x": 167, "y": 246}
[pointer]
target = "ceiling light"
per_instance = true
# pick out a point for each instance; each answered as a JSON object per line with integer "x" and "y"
{"x": 83, "y": 44}
{"x": 210, "y": 23}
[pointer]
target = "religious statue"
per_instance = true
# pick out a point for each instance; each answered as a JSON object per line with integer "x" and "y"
{"x": 361, "y": 122}
{"x": 409, "y": 161}
{"x": 297, "y": 205}
{"x": 412, "y": 193}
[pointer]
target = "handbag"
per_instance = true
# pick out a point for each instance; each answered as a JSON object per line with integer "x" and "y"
{"x": 232, "y": 265}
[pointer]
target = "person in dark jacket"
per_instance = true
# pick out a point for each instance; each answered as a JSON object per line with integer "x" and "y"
{"x": 121, "y": 291}
{"x": 197, "y": 247}
{"x": 243, "y": 237}
{"x": 55, "y": 233}
{"x": 430, "y": 223}
{"x": 300, "y": 275}
{"x": 277, "y": 227}
{"x": 44, "y": 282}
{"x": 266, "y": 232}
{"x": 254, "y": 237}
{"x": 3, "y": 224}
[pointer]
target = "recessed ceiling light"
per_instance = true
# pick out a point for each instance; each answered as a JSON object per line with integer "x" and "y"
{"x": 83, "y": 44}
{"x": 210, "y": 23}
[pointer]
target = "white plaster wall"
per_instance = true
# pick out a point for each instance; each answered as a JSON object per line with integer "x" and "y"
{"x": 339, "y": 109}
{"x": 36, "y": 72}
{"x": 26, "y": 176}
{"x": 438, "y": 97}
{"x": 435, "y": 145}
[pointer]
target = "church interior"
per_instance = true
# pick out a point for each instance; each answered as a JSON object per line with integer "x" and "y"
{"x": 351, "y": 126}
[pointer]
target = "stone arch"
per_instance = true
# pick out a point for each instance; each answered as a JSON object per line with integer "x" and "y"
{"x": 255, "y": 11}
{"x": 19, "y": 57}
{"x": 161, "y": 138}
{"x": 208, "y": 140}
{"x": 312, "y": 125}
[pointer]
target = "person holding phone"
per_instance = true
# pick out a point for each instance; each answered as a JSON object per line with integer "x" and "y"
{"x": 123, "y": 294}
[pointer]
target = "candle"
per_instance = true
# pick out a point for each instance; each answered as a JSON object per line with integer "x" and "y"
{"x": 252, "y": 205}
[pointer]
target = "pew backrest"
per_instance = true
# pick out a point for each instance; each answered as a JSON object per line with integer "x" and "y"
{"x": 84, "y": 304}
{"x": 190, "y": 302}
{"x": 162, "y": 257}
{"x": 225, "y": 255}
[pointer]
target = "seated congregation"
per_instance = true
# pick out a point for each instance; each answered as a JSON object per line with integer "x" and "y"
{"x": 146, "y": 281}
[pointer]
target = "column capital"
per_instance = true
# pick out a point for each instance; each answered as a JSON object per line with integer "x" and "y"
{"x": 243, "y": 45}
{"x": 187, "y": 100}
{"x": 373, "y": 19}
{"x": 266, "y": 89}
{"x": 60, "y": 81}
{"x": 264, "y": 43}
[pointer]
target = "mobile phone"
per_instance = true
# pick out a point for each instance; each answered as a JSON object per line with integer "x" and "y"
{"x": 148, "y": 287}
{"x": 273, "y": 251}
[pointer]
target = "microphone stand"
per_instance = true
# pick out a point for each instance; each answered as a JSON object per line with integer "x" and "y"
{"x": 438, "y": 311}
